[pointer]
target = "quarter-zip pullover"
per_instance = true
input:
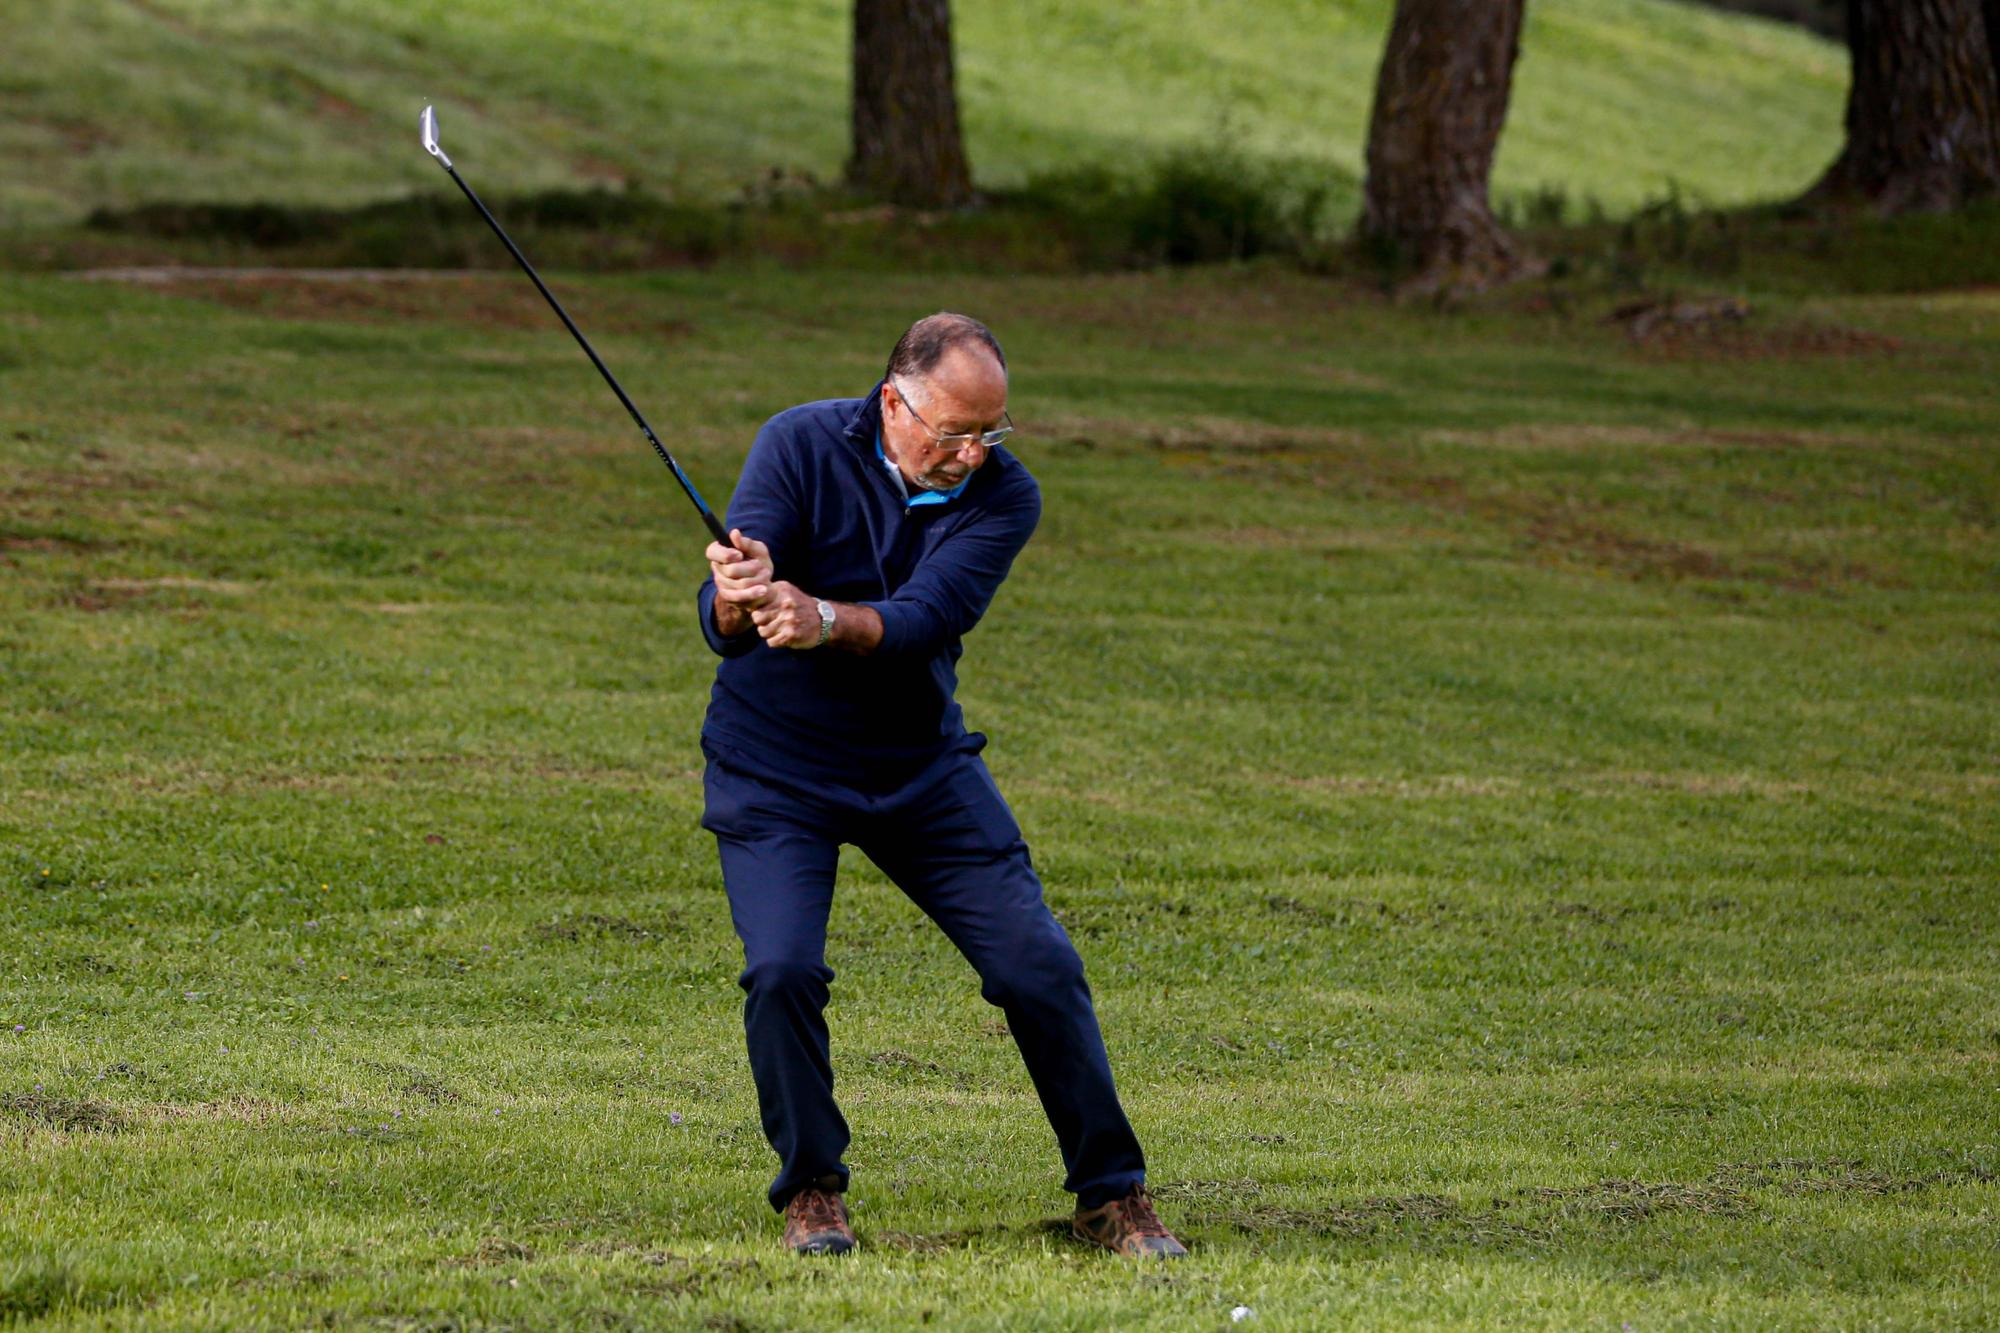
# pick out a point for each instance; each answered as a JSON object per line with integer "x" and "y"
{"x": 813, "y": 490}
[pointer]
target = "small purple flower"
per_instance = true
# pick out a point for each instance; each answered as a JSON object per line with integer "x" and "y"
{"x": 397, "y": 1114}
{"x": 673, "y": 1117}
{"x": 20, "y": 1027}
{"x": 225, "y": 1050}
{"x": 38, "y": 1087}
{"x": 496, "y": 1110}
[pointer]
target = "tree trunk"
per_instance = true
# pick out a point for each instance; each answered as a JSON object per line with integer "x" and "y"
{"x": 907, "y": 147}
{"x": 1993, "y": 35}
{"x": 1923, "y": 112}
{"x": 1440, "y": 100}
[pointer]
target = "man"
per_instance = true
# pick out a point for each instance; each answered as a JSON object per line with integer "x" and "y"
{"x": 867, "y": 537}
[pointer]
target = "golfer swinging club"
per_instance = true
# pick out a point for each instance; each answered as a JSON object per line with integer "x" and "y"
{"x": 867, "y": 537}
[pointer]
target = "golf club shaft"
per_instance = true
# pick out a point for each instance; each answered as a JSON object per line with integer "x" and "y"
{"x": 707, "y": 514}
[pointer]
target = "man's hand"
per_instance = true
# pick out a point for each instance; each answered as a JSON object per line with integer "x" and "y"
{"x": 742, "y": 580}
{"x": 788, "y": 617}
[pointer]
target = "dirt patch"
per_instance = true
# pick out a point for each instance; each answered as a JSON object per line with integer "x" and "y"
{"x": 902, "y": 1062}
{"x": 491, "y": 1250}
{"x": 89, "y": 479}
{"x": 1796, "y": 341}
{"x": 76, "y": 135}
{"x": 1443, "y": 786}
{"x": 1366, "y": 1218}
{"x": 174, "y": 595}
{"x": 95, "y": 600}
{"x": 1365, "y": 912}
{"x": 162, "y": 16}
{"x": 1453, "y": 786}
{"x": 1656, "y": 317}
{"x": 67, "y": 1115}
{"x": 1562, "y": 529}
{"x": 367, "y": 296}
{"x": 237, "y": 1110}
{"x": 1124, "y": 917}
{"x": 228, "y": 587}
{"x": 1636, "y": 1200}
{"x": 408, "y": 768}
{"x": 1579, "y": 437}
{"x": 1723, "y": 328}
{"x": 1634, "y": 556}
{"x": 594, "y": 925}
{"x": 1799, "y": 1176}
{"x": 1318, "y": 541}
{"x": 1535, "y": 1215}
{"x": 681, "y": 1275}
{"x": 1201, "y": 438}
{"x": 1284, "y": 905}
{"x": 57, "y": 545}
{"x": 409, "y": 1081}
{"x": 1592, "y": 912}
{"x": 1698, "y": 784}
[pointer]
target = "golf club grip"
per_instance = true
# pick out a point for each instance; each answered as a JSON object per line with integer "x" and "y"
{"x": 701, "y": 505}
{"x": 715, "y": 526}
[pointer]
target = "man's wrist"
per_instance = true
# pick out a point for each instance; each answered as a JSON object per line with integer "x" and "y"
{"x": 828, "y": 614}
{"x": 730, "y": 619}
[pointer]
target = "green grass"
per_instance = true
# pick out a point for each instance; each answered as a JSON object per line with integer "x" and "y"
{"x": 113, "y": 103}
{"x": 1526, "y": 801}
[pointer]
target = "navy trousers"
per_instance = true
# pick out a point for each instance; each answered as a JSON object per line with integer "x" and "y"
{"x": 948, "y": 840}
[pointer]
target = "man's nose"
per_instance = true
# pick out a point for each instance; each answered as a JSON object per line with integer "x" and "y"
{"x": 973, "y": 454}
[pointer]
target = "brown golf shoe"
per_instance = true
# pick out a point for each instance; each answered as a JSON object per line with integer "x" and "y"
{"x": 1128, "y": 1226}
{"x": 816, "y": 1223}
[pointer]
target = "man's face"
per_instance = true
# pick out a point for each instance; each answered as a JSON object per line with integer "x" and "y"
{"x": 965, "y": 393}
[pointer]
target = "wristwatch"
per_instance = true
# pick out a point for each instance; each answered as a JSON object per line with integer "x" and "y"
{"x": 825, "y": 621}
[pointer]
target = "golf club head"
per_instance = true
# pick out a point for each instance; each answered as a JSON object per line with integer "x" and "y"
{"x": 428, "y": 122}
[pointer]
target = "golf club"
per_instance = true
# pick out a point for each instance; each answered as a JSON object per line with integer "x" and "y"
{"x": 428, "y": 121}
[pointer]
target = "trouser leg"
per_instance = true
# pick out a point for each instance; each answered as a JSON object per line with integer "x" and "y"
{"x": 955, "y": 849}
{"x": 780, "y": 885}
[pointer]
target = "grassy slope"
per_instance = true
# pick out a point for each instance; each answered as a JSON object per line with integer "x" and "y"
{"x": 1527, "y": 805}
{"x": 114, "y": 102}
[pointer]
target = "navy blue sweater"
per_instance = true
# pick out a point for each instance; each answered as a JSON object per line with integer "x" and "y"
{"x": 814, "y": 490}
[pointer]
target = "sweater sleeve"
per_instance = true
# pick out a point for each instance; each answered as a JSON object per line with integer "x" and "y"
{"x": 765, "y": 506}
{"x": 951, "y": 590}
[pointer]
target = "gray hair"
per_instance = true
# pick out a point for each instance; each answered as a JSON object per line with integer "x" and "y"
{"x": 925, "y": 342}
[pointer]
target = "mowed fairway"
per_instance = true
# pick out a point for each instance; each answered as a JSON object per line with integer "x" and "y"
{"x": 1528, "y": 802}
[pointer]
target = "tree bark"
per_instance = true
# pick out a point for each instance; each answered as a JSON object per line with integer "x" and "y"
{"x": 1993, "y": 35}
{"x": 1923, "y": 112}
{"x": 1440, "y": 100}
{"x": 907, "y": 146}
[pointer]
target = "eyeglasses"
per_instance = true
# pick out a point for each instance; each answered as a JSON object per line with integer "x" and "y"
{"x": 956, "y": 443}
